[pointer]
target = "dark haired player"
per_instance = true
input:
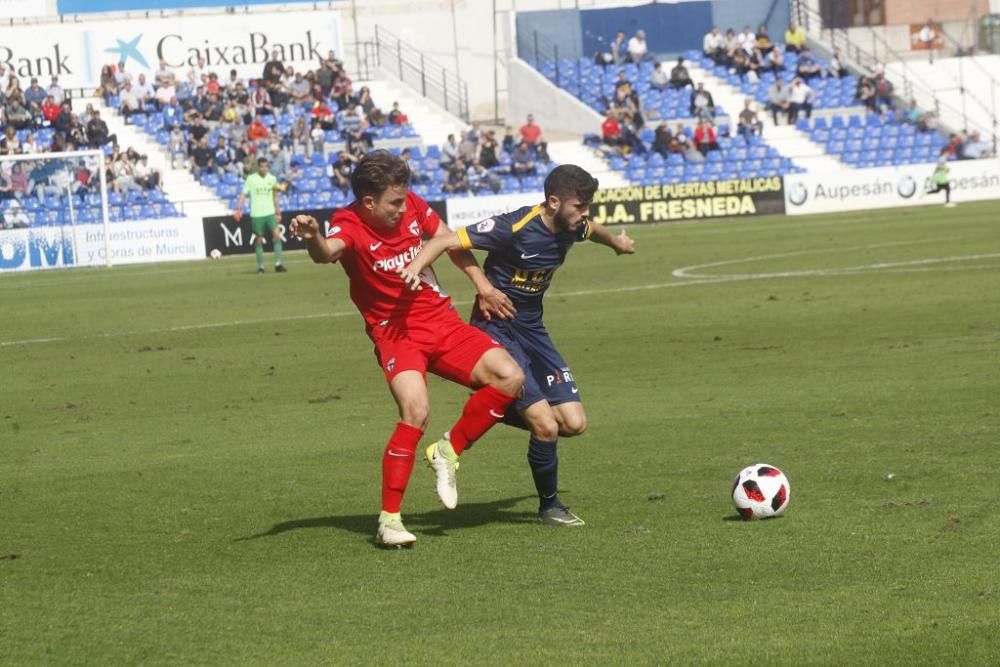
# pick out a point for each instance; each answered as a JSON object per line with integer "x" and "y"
{"x": 525, "y": 248}
{"x": 380, "y": 232}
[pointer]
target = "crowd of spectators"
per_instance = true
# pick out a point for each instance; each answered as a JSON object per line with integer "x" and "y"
{"x": 220, "y": 125}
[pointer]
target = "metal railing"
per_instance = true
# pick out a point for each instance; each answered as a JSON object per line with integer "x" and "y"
{"x": 543, "y": 54}
{"x": 411, "y": 66}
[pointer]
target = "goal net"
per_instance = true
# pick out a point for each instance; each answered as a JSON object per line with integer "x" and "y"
{"x": 54, "y": 211}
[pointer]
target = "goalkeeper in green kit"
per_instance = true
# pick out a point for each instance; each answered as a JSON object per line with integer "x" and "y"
{"x": 265, "y": 212}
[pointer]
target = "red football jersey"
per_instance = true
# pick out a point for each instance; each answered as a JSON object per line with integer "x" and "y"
{"x": 373, "y": 256}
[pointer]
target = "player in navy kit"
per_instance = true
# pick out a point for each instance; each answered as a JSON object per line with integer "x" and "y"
{"x": 525, "y": 248}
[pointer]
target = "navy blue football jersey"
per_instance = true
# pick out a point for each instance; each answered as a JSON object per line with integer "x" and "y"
{"x": 523, "y": 255}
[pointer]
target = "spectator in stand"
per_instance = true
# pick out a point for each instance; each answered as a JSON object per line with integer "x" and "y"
{"x": 619, "y": 47}
{"x": 952, "y": 150}
{"x": 19, "y": 182}
{"x": 274, "y": 69}
{"x": 257, "y": 132}
{"x": 121, "y": 76}
{"x": 123, "y": 178}
{"x": 679, "y": 76}
{"x": 14, "y": 217}
{"x": 731, "y": 47}
{"x": 974, "y": 148}
{"x": 144, "y": 90}
{"x": 177, "y": 145}
{"x": 417, "y": 174}
{"x": 808, "y": 68}
{"x": 213, "y": 110}
{"x": 202, "y": 157}
{"x": 922, "y": 119}
{"x": 750, "y": 124}
{"x": 164, "y": 94}
{"x": 11, "y": 143}
{"x": 702, "y": 105}
{"x": 778, "y": 100}
{"x": 355, "y": 131}
{"x": 489, "y": 150}
{"x": 164, "y": 76}
{"x": 865, "y": 92}
{"x": 449, "y": 152}
{"x": 775, "y": 60}
{"x": 300, "y": 91}
{"x": 764, "y": 40}
{"x": 704, "y": 137}
{"x": 16, "y": 114}
{"x": 147, "y": 177}
{"x": 474, "y": 133}
{"x": 50, "y": 111}
{"x": 795, "y": 38}
{"x": 683, "y": 146}
{"x": 479, "y": 178}
{"x": 662, "y": 139}
{"x": 530, "y": 132}
{"x": 509, "y": 141}
{"x": 611, "y": 132}
{"x": 837, "y": 68}
{"x": 638, "y": 50}
{"x": 467, "y": 148}
{"x": 109, "y": 85}
{"x": 522, "y": 161}
{"x": 224, "y": 159}
{"x": 397, "y": 117}
{"x": 884, "y": 94}
{"x": 713, "y": 45}
{"x": 341, "y": 170}
{"x": 322, "y": 112}
{"x": 57, "y": 183}
{"x": 97, "y": 132}
{"x": 172, "y": 113}
{"x": 659, "y": 79}
{"x": 371, "y": 112}
{"x": 455, "y": 177}
{"x": 317, "y": 136}
{"x": 196, "y": 130}
{"x": 29, "y": 145}
{"x": 801, "y": 98}
{"x": 747, "y": 40}
{"x": 34, "y": 95}
{"x": 55, "y": 90}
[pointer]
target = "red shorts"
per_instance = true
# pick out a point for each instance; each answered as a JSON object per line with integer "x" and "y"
{"x": 446, "y": 346}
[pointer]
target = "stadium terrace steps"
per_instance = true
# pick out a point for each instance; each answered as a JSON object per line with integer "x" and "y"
{"x": 178, "y": 183}
{"x": 573, "y": 152}
{"x": 791, "y": 142}
{"x": 431, "y": 122}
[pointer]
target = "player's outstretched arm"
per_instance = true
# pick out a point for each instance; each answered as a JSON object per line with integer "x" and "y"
{"x": 444, "y": 240}
{"x": 621, "y": 244}
{"x": 321, "y": 250}
{"x": 491, "y": 300}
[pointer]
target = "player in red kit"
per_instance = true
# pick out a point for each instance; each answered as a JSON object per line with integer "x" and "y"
{"x": 414, "y": 331}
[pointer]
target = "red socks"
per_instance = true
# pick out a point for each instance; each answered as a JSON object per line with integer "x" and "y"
{"x": 397, "y": 464}
{"x": 483, "y": 409}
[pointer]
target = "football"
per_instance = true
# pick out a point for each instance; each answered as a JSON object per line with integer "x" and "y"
{"x": 761, "y": 491}
{"x": 215, "y": 254}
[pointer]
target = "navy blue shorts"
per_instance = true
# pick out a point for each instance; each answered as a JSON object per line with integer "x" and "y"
{"x": 547, "y": 377}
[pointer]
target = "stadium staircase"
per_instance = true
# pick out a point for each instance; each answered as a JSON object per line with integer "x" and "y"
{"x": 180, "y": 186}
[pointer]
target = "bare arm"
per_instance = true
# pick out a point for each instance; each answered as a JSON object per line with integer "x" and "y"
{"x": 491, "y": 300}
{"x": 238, "y": 213}
{"x": 321, "y": 250}
{"x": 621, "y": 244}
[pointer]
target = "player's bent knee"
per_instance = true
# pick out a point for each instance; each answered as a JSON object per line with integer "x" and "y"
{"x": 415, "y": 414}
{"x": 573, "y": 423}
{"x": 545, "y": 429}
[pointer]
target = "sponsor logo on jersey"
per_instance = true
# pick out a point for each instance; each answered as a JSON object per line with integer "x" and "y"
{"x": 374, "y": 246}
{"x": 393, "y": 264}
{"x": 485, "y": 226}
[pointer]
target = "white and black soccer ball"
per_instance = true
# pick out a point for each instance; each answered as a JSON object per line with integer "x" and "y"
{"x": 215, "y": 254}
{"x": 761, "y": 491}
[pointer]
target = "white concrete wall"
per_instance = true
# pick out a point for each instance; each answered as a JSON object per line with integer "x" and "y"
{"x": 558, "y": 113}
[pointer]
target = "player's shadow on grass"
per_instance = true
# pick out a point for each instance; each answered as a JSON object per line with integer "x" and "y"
{"x": 438, "y": 522}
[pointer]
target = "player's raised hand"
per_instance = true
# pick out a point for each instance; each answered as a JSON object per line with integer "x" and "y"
{"x": 624, "y": 245}
{"x": 496, "y": 303}
{"x": 304, "y": 227}
{"x": 410, "y": 278}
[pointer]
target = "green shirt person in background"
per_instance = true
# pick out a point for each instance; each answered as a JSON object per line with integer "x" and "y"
{"x": 941, "y": 181}
{"x": 265, "y": 212}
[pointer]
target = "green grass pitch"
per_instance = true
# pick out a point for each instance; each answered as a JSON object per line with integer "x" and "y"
{"x": 189, "y": 462}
